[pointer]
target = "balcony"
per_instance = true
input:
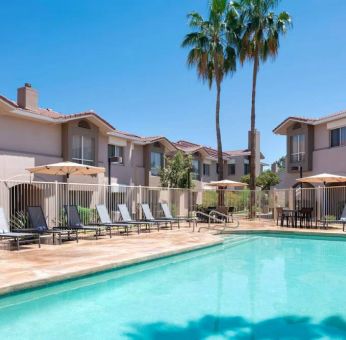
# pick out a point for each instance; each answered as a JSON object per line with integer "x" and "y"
{"x": 297, "y": 157}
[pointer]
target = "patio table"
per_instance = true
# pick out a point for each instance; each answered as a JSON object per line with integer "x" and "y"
{"x": 290, "y": 214}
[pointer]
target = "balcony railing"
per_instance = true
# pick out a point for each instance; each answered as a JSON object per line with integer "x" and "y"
{"x": 297, "y": 157}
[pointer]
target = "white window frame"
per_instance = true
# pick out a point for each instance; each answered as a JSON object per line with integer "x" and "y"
{"x": 121, "y": 147}
{"x": 82, "y": 160}
{"x": 341, "y": 143}
{"x": 299, "y": 155}
{"x": 161, "y": 163}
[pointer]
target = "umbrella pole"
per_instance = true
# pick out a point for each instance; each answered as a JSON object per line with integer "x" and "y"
{"x": 68, "y": 200}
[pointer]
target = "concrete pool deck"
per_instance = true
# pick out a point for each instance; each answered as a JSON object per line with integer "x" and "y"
{"x": 32, "y": 267}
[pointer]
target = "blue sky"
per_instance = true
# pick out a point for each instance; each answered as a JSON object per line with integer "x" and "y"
{"x": 123, "y": 59}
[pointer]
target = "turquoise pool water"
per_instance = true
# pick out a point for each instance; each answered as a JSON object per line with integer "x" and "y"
{"x": 253, "y": 287}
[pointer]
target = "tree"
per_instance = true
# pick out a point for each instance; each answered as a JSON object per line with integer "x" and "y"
{"x": 245, "y": 179}
{"x": 281, "y": 162}
{"x": 214, "y": 52}
{"x": 260, "y": 40}
{"x": 265, "y": 180}
{"x": 177, "y": 173}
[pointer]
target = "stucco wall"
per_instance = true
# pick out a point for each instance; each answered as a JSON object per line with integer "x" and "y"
{"x": 331, "y": 160}
{"x": 321, "y": 137}
{"x": 132, "y": 171}
{"x": 13, "y": 165}
{"x": 24, "y": 135}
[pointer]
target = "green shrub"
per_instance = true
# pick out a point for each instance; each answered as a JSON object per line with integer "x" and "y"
{"x": 87, "y": 215}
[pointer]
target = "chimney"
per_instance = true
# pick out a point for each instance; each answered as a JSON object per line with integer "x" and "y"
{"x": 258, "y": 151}
{"x": 27, "y": 97}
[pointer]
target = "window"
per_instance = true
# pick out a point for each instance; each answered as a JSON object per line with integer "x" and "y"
{"x": 116, "y": 151}
{"x": 338, "y": 137}
{"x": 206, "y": 170}
{"x": 297, "y": 148}
{"x": 231, "y": 167}
{"x": 195, "y": 169}
{"x": 246, "y": 166}
{"x": 156, "y": 162}
{"x": 83, "y": 150}
{"x": 217, "y": 168}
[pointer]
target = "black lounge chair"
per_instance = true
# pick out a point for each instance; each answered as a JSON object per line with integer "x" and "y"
{"x": 148, "y": 216}
{"x": 74, "y": 221}
{"x": 107, "y": 221}
{"x": 5, "y": 232}
{"x": 169, "y": 216}
{"x": 128, "y": 220}
{"x": 39, "y": 225}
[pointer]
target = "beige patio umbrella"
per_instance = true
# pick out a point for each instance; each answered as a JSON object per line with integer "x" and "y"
{"x": 323, "y": 178}
{"x": 226, "y": 183}
{"x": 66, "y": 169}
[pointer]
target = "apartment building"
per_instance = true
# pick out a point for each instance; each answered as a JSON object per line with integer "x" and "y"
{"x": 31, "y": 136}
{"x": 313, "y": 146}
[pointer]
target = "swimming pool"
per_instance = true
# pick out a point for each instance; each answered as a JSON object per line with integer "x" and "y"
{"x": 254, "y": 286}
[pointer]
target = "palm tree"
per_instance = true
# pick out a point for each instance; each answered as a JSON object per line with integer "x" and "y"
{"x": 260, "y": 40}
{"x": 213, "y": 52}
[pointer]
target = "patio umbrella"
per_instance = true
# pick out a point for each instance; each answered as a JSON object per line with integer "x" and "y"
{"x": 226, "y": 183}
{"x": 66, "y": 169}
{"x": 323, "y": 178}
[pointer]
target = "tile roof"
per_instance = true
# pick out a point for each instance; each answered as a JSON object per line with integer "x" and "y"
{"x": 313, "y": 121}
{"x": 190, "y": 147}
{"x": 235, "y": 153}
{"x": 49, "y": 113}
{"x": 183, "y": 145}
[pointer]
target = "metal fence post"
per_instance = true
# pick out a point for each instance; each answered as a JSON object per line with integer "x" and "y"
{"x": 56, "y": 203}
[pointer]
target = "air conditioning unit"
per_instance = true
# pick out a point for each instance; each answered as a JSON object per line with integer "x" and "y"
{"x": 115, "y": 159}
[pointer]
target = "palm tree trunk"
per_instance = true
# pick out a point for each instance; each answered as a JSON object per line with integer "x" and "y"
{"x": 219, "y": 142}
{"x": 218, "y": 133}
{"x": 253, "y": 146}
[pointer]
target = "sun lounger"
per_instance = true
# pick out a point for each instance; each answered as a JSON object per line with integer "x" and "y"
{"x": 107, "y": 221}
{"x": 148, "y": 216}
{"x": 16, "y": 236}
{"x": 169, "y": 216}
{"x": 342, "y": 220}
{"x": 74, "y": 221}
{"x": 127, "y": 219}
{"x": 38, "y": 225}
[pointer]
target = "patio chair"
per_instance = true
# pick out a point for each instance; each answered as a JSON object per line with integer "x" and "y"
{"x": 279, "y": 215}
{"x": 169, "y": 216}
{"x": 107, "y": 221}
{"x": 39, "y": 225}
{"x": 341, "y": 220}
{"x": 5, "y": 232}
{"x": 74, "y": 221}
{"x": 305, "y": 217}
{"x": 128, "y": 220}
{"x": 148, "y": 216}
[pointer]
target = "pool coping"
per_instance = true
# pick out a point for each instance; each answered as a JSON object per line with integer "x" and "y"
{"x": 36, "y": 283}
{"x": 287, "y": 232}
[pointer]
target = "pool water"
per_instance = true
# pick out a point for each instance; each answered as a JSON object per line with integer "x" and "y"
{"x": 252, "y": 287}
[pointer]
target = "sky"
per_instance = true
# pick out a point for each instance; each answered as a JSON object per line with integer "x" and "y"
{"x": 122, "y": 58}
